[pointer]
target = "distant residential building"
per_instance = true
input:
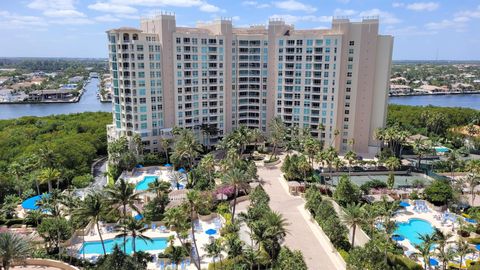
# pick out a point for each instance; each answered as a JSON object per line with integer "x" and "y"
{"x": 333, "y": 81}
{"x": 75, "y": 79}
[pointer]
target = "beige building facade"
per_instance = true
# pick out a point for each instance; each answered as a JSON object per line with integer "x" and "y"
{"x": 215, "y": 77}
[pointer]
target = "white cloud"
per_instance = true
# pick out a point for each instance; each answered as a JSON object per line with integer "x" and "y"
{"x": 51, "y": 4}
{"x": 423, "y": 6}
{"x": 206, "y": 7}
{"x": 113, "y": 8}
{"x": 441, "y": 25}
{"x": 63, "y": 13}
{"x": 255, "y": 4}
{"x": 408, "y": 31}
{"x": 294, "y": 5}
{"x": 398, "y": 4}
{"x": 457, "y": 23}
{"x": 307, "y": 18}
{"x": 385, "y": 17}
{"x": 56, "y": 8}
{"x": 107, "y": 18}
{"x": 202, "y": 5}
{"x": 15, "y": 21}
{"x": 344, "y": 12}
{"x": 72, "y": 21}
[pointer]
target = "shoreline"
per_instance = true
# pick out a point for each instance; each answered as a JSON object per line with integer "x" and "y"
{"x": 475, "y": 92}
{"x": 74, "y": 100}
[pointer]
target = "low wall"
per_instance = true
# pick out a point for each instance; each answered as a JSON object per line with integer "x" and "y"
{"x": 48, "y": 263}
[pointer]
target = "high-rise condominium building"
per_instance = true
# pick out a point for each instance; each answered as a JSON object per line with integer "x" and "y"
{"x": 216, "y": 76}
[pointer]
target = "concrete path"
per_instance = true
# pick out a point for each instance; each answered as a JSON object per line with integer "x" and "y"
{"x": 304, "y": 234}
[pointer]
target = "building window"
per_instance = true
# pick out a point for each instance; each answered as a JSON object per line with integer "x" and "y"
{"x": 351, "y": 43}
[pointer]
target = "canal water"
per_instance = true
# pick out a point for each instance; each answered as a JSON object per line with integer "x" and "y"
{"x": 467, "y": 101}
{"x": 88, "y": 103}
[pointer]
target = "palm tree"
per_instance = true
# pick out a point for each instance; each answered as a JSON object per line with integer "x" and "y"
{"x": 442, "y": 240}
{"x": 121, "y": 195}
{"x": 91, "y": 210}
{"x": 165, "y": 144}
{"x": 174, "y": 253}
{"x": 452, "y": 159}
{"x": 421, "y": 147}
{"x": 472, "y": 181}
{"x": 176, "y": 177}
{"x": 13, "y": 247}
{"x": 351, "y": 157}
{"x": 195, "y": 203}
{"x": 352, "y": 217}
{"x": 311, "y": 147}
{"x": 49, "y": 175}
{"x": 186, "y": 147}
{"x": 277, "y": 135}
{"x": 17, "y": 171}
{"x": 256, "y": 136}
{"x": 135, "y": 229}
{"x": 392, "y": 163}
{"x": 424, "y": 249}
{"x": 463, "y": 248}
{"x": 304, "y": 167}
{"x": 236, "y": 178}
{"x": 214, "y": 249}
{"x": 273, "y": 234}
{"x": 34, "y": 217}
{"x": 177, "y": 218}
{"x": 208, "y": 164}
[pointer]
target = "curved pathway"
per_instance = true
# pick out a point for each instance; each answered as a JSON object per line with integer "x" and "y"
{"x": 304, "y": 234}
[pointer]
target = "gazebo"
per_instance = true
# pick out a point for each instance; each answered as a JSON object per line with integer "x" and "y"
{"x": 294, "y": 187}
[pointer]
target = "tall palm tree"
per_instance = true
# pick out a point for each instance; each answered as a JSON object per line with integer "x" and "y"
{"x": 421, "y": 147}
{"x": 176, "y": 218}
{"x": 304, "y": 168}
{"x": 214, "y": 249}
{"x": 17, "y": 171}
{"x": 277, "y": 135}
{"x": 208, "y": 164}
{"x": 13, "y": 248}
{"x": 195, "y": 203}
{"x": 186, "y": 147}
{"x": 92, "y": 210}
{"x": 159, "y": 187}
{"x": 165, "y": 145}
{"x": 236, "y": 178}
{"x": 176, "y": 177}
{"x": 452, "y": 159}
{"x": 351, "y": 157}
{"x": 311, "y": 147}
{"x": 472, "y": 181}
{"x": 121, "y": 195}
{"x": 442, "y": 240}
{"x": 424, "y": 249}
{"x": 174, "y": 253}
{"x": 353, "y": 216}
{"x": 49, "y": 175}
{"x": 392, "y": 163}
{"x": 463, "y": 248}
{"x": 256, "y": 136}
{"x": 135, "y": 229}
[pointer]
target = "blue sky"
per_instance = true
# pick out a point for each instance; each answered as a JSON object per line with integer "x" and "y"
{"x": 76, "y": 28}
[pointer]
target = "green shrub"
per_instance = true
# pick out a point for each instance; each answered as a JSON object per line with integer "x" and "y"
{"x": 400, "y": 260}
{"x": 375, "y": 183}
{"x": 474, "y": 241}
{"x": 82, "y": 181}
{"x": 343, "y": 253}
{"x": 14, "y": 221}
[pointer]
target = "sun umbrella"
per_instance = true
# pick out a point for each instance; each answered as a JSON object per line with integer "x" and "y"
{"x": 168, "y": 165}
{"x": 433, "y": 262}
{"x": 138, "y": 217}
{"x": 404, "y": 204}
{"x": 397, "y": 237}
{"x": 211, "y": 231}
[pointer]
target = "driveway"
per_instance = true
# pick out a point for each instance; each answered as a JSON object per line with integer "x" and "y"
{"x": 304, "y": 235}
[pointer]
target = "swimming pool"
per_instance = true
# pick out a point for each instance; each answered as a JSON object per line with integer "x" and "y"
{"x": 143, "y": 185}
{"x": 413, "y": 229}
{"x": 95, "y": 247}
{"x": 31, "y": 203}
{"x": 441, "y": 149}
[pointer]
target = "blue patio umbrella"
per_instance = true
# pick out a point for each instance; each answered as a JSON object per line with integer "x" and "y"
{"x": 470, "y": 220}
{"x": 181, "y": 170}
{"x": 138, "y": 217}
{"x": 139, "y": 166}
{"x": 211, "y": 231}
{"x": 433, "y": 262}
{"x": 31, "y": 203}
{"x": 404, "y": 204}
{"x": 168, "y": 165}
{"x": 397, "y": 237}
{"x": 477, "y": 246}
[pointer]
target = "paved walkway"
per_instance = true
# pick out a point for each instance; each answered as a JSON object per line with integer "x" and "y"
{"x": 304, "y": 234}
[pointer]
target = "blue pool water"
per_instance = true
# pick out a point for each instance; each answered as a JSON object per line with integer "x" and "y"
{"x": 143, "y": 185}
{"x": 413, "y": 228}
{"x": 442, "y": 149}
{"x": 95, "y": 247}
